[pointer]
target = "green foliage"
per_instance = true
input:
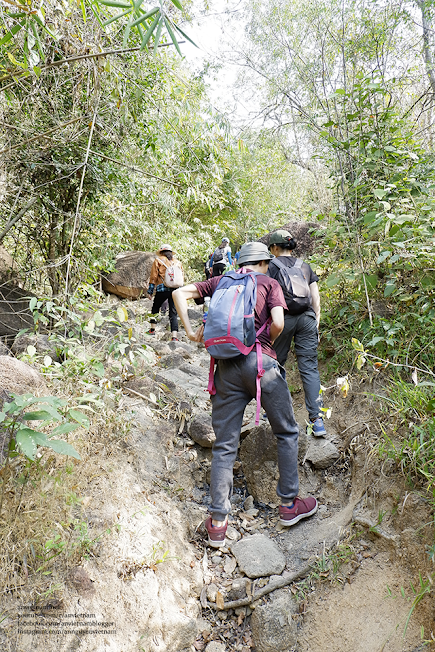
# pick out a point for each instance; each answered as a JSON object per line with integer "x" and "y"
{"x": 17, "y": 437}
{"x": 25, "y": 439}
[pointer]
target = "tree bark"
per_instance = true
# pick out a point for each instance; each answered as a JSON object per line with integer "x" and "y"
{"x": 427, "y": 53}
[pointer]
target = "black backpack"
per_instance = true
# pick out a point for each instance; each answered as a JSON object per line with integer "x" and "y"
{"x": 295, "y": 286}
{"x": 218, "y": 255}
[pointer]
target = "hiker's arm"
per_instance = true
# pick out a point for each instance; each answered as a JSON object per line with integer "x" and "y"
{"x": 180, "y": 298}
{"x": 315, "y": 297}
{"x": 277, "y": 324}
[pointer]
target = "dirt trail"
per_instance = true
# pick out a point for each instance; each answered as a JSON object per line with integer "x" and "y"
{"x": 153, "y": 573}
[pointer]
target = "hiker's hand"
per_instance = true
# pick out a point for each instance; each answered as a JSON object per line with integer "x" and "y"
{"x": 197, "y": 336}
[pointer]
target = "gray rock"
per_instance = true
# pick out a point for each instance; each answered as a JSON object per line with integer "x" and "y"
{"x": 20, "y": 378}
{"x": 188, "y": 348}
{"x": 188, "y": 368}
{"x": 248, "y": 504}
{"x": 161, "y": 348}
{"x": 194, "y": 314}
{"x": 273, "y": 627}
{"x": 238, "y": 589}
{"x": 233, "y": 534}
{"x": 40, "y": 342}
{"x": 258, "y": 556}
{"x": 215, "y": 646}
{"x": 172, "y": 361}
{"x": 322, "y": 453}
{"x": 259, "y": 456}
{"x": 4, "y": 349}
{"x": 201, "y": 430}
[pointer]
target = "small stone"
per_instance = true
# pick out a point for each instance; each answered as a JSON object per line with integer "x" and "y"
{"x": 236, "y": 499}
{"x": 322, "y": 453}
{"x": 243, "y": 611}
{"x": 230, "y": 565}
{"x": 251, "y": 512}
{"x": 273, "y": 627}
{"x": 222, "y": 615}
{"x": 249, "y": 503}
{"x": 238, "y": 589}
{"x": 216, "y": 559}
{"x": 233, "y": 534}
{"x": 201, "y": 430}
{"x": 215, "y": 646}
{"x": 258, "y": 556}
{"x": 212, "y": 589}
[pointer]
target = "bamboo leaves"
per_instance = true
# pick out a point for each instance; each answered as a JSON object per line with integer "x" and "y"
{"x": 145, "y": 23}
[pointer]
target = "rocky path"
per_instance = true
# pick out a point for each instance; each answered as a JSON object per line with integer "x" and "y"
{"x": 260, "y": 551}
{"x": 166, "y": 591}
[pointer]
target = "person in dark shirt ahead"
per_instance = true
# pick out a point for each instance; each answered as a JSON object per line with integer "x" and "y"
{"x": 235, "y": 382}
{"x": 301, "y": 326}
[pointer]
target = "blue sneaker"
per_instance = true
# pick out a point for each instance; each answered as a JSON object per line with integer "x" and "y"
{"x": 318, "y": 427}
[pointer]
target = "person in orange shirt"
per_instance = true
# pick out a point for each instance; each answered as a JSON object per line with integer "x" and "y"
{"x": 163, "y": 293}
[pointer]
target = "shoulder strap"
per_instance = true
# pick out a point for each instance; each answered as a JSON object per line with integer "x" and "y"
{"x": 299, "y": 262}
{"x": 278, "y": 263}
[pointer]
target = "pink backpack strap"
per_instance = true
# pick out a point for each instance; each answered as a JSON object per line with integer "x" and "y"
{"x": 260, "y": 370}
{"x": 211, "y": 388}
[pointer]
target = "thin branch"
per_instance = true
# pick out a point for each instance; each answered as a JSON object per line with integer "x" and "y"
{"x": 45, "y": 133}
{"x": 78, "y": 57}
{"x": 85, "y": 165}
{"x": 131, "y": 167}
{"x": 10, "y": 224}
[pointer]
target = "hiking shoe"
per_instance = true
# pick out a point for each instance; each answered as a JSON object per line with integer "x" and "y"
{"x": 302, "y": 508}
{"x": 216, "y": 535}
{"x": 318, "y": 427}
{"x": 152, "y": 331}
{"x": 175, "y": 339}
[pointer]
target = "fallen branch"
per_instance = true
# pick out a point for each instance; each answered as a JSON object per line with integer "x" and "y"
{"x": 133, "y": 391}
{"x": 272, "y": 586}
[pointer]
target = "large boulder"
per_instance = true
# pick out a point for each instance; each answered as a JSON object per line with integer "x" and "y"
{"x": 300, "y": 231}
{"x": 259, "y": 457}
{"x": 130, "y": 279}
{"x": 14, "y": 310}
{"x": 20, "y": 378}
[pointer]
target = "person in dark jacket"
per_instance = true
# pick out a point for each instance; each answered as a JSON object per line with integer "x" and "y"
{"x": 301, "y": 328}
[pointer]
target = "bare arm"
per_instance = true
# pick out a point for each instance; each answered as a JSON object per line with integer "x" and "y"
{"x": 277, "y": 324}
{"x": 315, "y": 297}
{"x": 180, "y": 298}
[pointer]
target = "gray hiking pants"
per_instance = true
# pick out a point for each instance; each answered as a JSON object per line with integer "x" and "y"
{"x": 235, "y": 382}
{"x": 303, "y": 329}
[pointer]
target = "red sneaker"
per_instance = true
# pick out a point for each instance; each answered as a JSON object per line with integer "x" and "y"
{"x": 216, "y": 535}
{"x": 302, "y": 508}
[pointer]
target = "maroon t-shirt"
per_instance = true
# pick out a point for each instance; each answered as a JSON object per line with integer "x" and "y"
{"x": 269, "y": 295}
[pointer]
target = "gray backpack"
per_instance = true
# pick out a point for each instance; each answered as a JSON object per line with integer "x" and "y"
{"x": 295, "y": 286}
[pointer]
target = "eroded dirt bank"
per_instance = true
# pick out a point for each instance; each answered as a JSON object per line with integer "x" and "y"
{"x": 153, "y": 581}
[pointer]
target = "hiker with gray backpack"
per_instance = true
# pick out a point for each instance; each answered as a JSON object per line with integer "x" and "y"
{"x": 245, "y": 316}
{"x": 221, "y": 258}
{"x": 301, "y": 321}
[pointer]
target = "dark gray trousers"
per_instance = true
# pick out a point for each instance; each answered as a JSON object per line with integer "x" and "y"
{"x": 235, "y": 382}
{"x": 303, "y": 330}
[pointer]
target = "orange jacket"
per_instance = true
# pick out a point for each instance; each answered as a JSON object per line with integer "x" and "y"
{"x": 158, "y": 269}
